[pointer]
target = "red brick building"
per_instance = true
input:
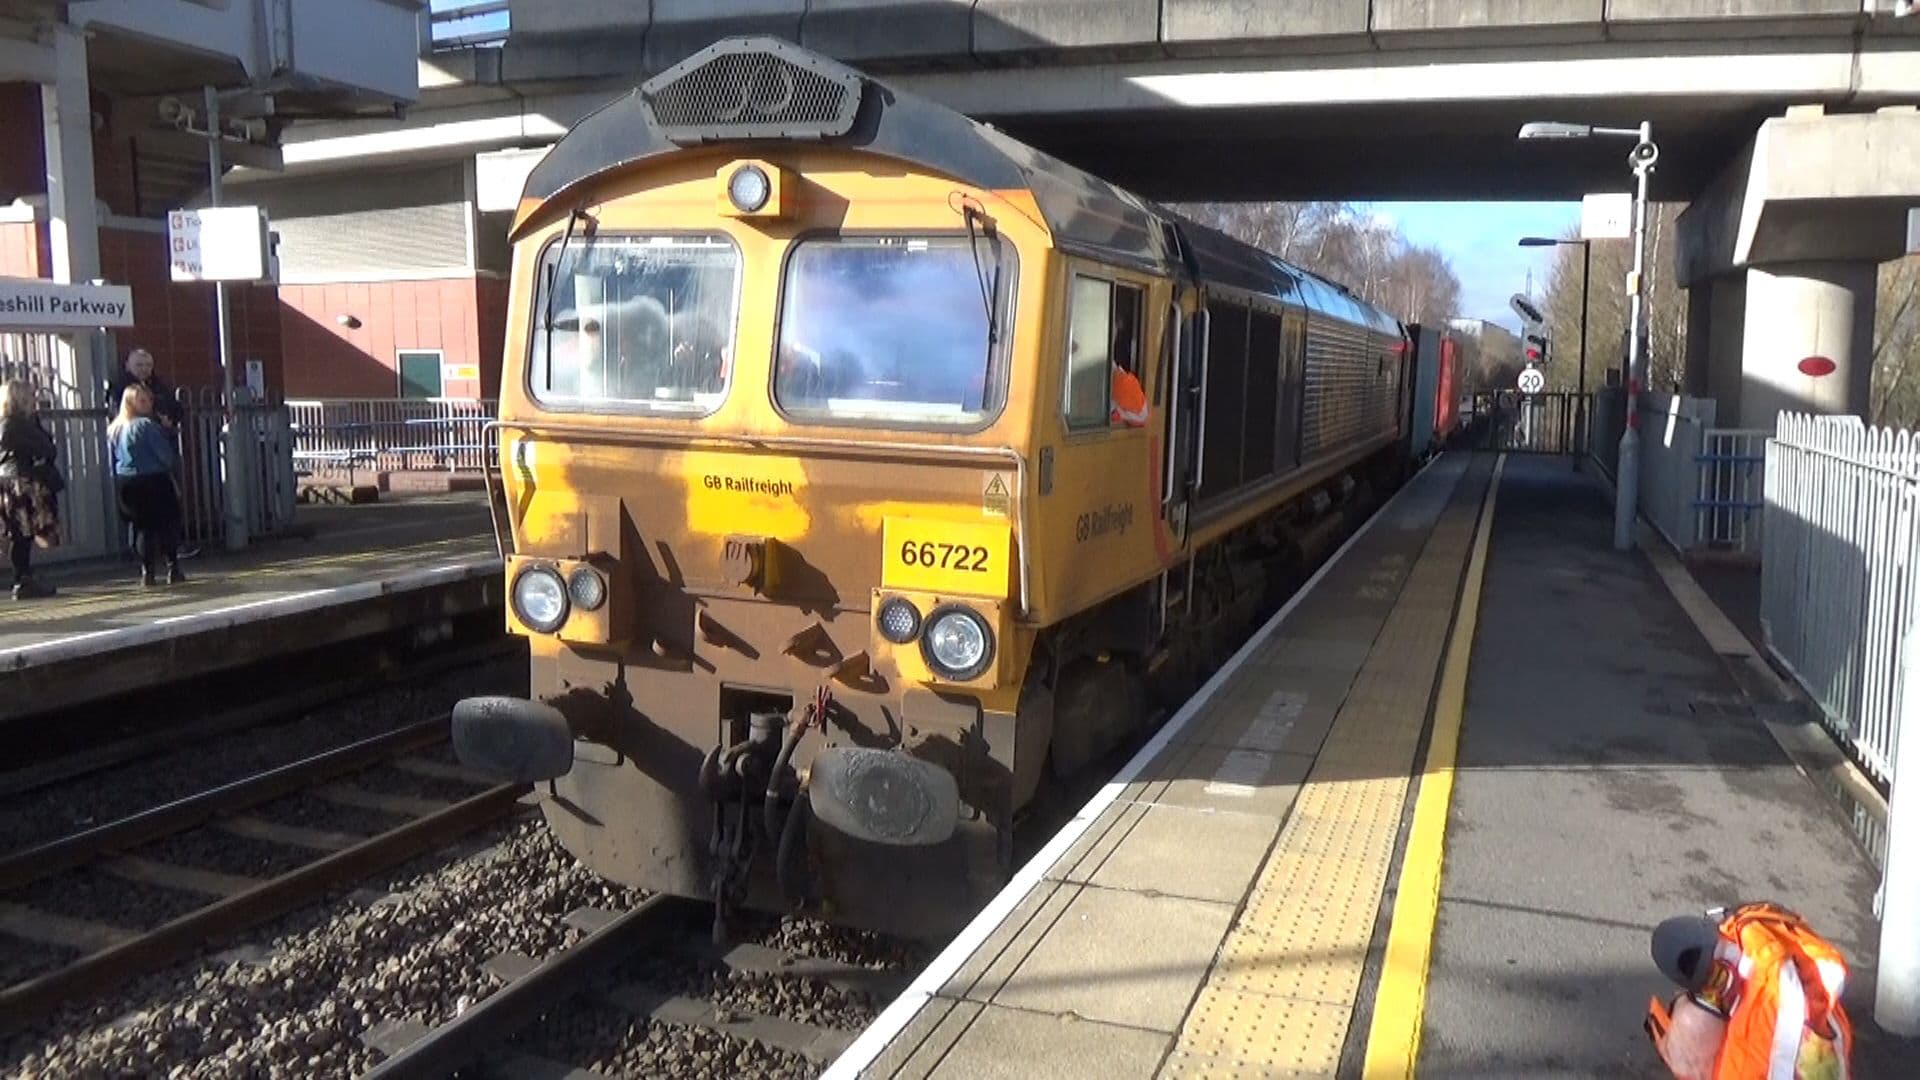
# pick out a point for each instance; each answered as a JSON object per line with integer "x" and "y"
{"x": 392, "y": 284}
{"x": 175, "y": 322}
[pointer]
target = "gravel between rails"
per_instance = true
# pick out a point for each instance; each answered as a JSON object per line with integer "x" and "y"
{"x": 60, "y": 809}
{"x": 95, "y": 895}
{"x": 312, "y": 812}
{"x": 591, "y": 1033}
{"x": 210, "y": 849}
{"x": 21, "y": 959}
{"x": 329, "y": 975}
{"x": 410, "y": 945}
{"x": 386, "y": 780}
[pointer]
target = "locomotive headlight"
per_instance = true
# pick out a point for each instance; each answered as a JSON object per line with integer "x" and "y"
{"x": 540, "y": 599}
{"x": 957, "y": 645}
{"x": 749, "y": 189}
{"x": 899, "y": 620}
{"x": 587, "y": 588}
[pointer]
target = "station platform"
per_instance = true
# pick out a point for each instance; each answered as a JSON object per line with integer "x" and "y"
{"x": 346, "y": 572}
{"x": 1424, "y": 821}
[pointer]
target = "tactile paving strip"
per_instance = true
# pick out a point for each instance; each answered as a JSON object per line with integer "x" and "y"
{"x": 1280, "y": 997}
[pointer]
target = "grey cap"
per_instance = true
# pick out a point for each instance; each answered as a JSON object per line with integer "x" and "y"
{"x": 1683, "y": 949}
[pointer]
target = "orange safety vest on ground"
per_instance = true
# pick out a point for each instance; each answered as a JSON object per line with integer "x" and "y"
{"x": 1771, "y": 1002}
{"x": 1129, "y": 401}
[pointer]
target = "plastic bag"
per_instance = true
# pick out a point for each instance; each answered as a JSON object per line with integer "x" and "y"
{"x": 1687, "y": 1035}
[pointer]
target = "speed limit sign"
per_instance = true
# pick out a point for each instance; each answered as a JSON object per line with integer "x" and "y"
{"x": 1532, "y": 381}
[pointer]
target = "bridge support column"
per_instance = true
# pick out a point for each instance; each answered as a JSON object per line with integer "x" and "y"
{"x": 1808, "y": 343}
{"x": 1780, "y": 255}
{"x": 73, "y": 218}
{"x": 1787, "y": 337}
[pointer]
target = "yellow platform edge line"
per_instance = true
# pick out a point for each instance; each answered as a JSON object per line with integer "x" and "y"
{"x": 1399, "y": 1008}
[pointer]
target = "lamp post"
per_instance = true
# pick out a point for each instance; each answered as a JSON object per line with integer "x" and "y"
{"x": 1586, "y": 278}
{"x": 1641, "y": 158}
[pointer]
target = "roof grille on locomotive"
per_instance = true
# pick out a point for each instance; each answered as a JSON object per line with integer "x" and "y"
{"x": 753, "y": 89}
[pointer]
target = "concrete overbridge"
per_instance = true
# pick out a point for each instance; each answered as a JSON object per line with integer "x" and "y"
{"x": 1370, "y": 99}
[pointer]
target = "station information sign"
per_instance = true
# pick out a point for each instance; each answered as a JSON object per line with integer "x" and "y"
{"x": 223, "y": 243}
{"x": 1606, "y": 216}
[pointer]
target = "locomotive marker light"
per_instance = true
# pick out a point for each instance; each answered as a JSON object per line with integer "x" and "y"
{"x": 899, "y": 620}
{"x": 587, "y": 588}
{"x": 754, "y": 189}
{"x": 1641, "y": 159}
{"x": 540, "y": 599}
{"x": 749, "y": 189}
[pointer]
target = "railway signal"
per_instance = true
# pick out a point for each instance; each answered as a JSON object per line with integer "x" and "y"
{"x": 1535, "y": 346}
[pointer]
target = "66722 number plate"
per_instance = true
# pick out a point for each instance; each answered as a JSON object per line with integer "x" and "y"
{"x": 946, "y": 556}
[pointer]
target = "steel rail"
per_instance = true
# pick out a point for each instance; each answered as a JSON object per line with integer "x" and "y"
{"x": 42, "y": 860}
{"x": 526, "y": 999}
{"x": 189, "y": 933}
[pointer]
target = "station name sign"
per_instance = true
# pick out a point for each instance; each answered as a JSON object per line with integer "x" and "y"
{"x": 28, "y": 304}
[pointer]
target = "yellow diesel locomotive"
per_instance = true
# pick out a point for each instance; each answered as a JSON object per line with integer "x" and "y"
{"x": 829, "y": 505}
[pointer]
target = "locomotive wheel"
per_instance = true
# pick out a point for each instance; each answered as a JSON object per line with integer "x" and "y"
{"x": 1095, "y": 705}
{"x": 1034, "y": 733}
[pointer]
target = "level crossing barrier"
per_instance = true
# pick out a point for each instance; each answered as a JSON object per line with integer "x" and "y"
{"x": 346, "y": 434}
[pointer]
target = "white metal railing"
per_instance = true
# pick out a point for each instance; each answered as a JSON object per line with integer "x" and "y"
{"x": 1838, "y": 588}
{"x": 90, "y": 524}
{"x": 1731, "y": 494}
{"x": 346, "y": 434}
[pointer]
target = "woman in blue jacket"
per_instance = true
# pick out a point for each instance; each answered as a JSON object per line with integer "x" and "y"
{"x": 144, "y": 457}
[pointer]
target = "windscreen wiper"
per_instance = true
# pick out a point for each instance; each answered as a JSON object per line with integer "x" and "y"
{"x": 552, "y": 280}
{"x": 979, "y": 225}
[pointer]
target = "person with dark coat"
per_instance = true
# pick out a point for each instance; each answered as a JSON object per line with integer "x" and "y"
{"x": 29, "y": 486}
{"x": 139, "y": 369}
{"x": 144, "y": 456}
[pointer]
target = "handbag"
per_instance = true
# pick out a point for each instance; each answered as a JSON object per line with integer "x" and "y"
{"x": 48, "y": 475}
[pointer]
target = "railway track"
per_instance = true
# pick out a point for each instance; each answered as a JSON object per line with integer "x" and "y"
{"x": 223, "y": 904}
{"x": 371, "y": 675}
{"x": 668, "y": 935}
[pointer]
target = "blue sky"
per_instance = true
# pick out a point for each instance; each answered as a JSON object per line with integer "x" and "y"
{"x": 1482, "y": 239}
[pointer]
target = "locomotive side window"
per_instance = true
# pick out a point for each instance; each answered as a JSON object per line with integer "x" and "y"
{"x": 635, "y": 323}
{"x": 1103, "y": 334}
{"x": 895, "y": 329}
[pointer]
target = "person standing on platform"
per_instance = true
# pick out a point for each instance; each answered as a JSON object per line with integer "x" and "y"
{"x": 167, "y": 409}
{"x": 144, "y": 456}
{"x": 139, "y": 370}
{"x": 30, "y": 485}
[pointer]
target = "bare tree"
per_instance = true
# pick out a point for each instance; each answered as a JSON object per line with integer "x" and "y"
{"x": 1345, "y": 244}
{"x": 1896, "y": 343}
{"x": 1607, "y": 308}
